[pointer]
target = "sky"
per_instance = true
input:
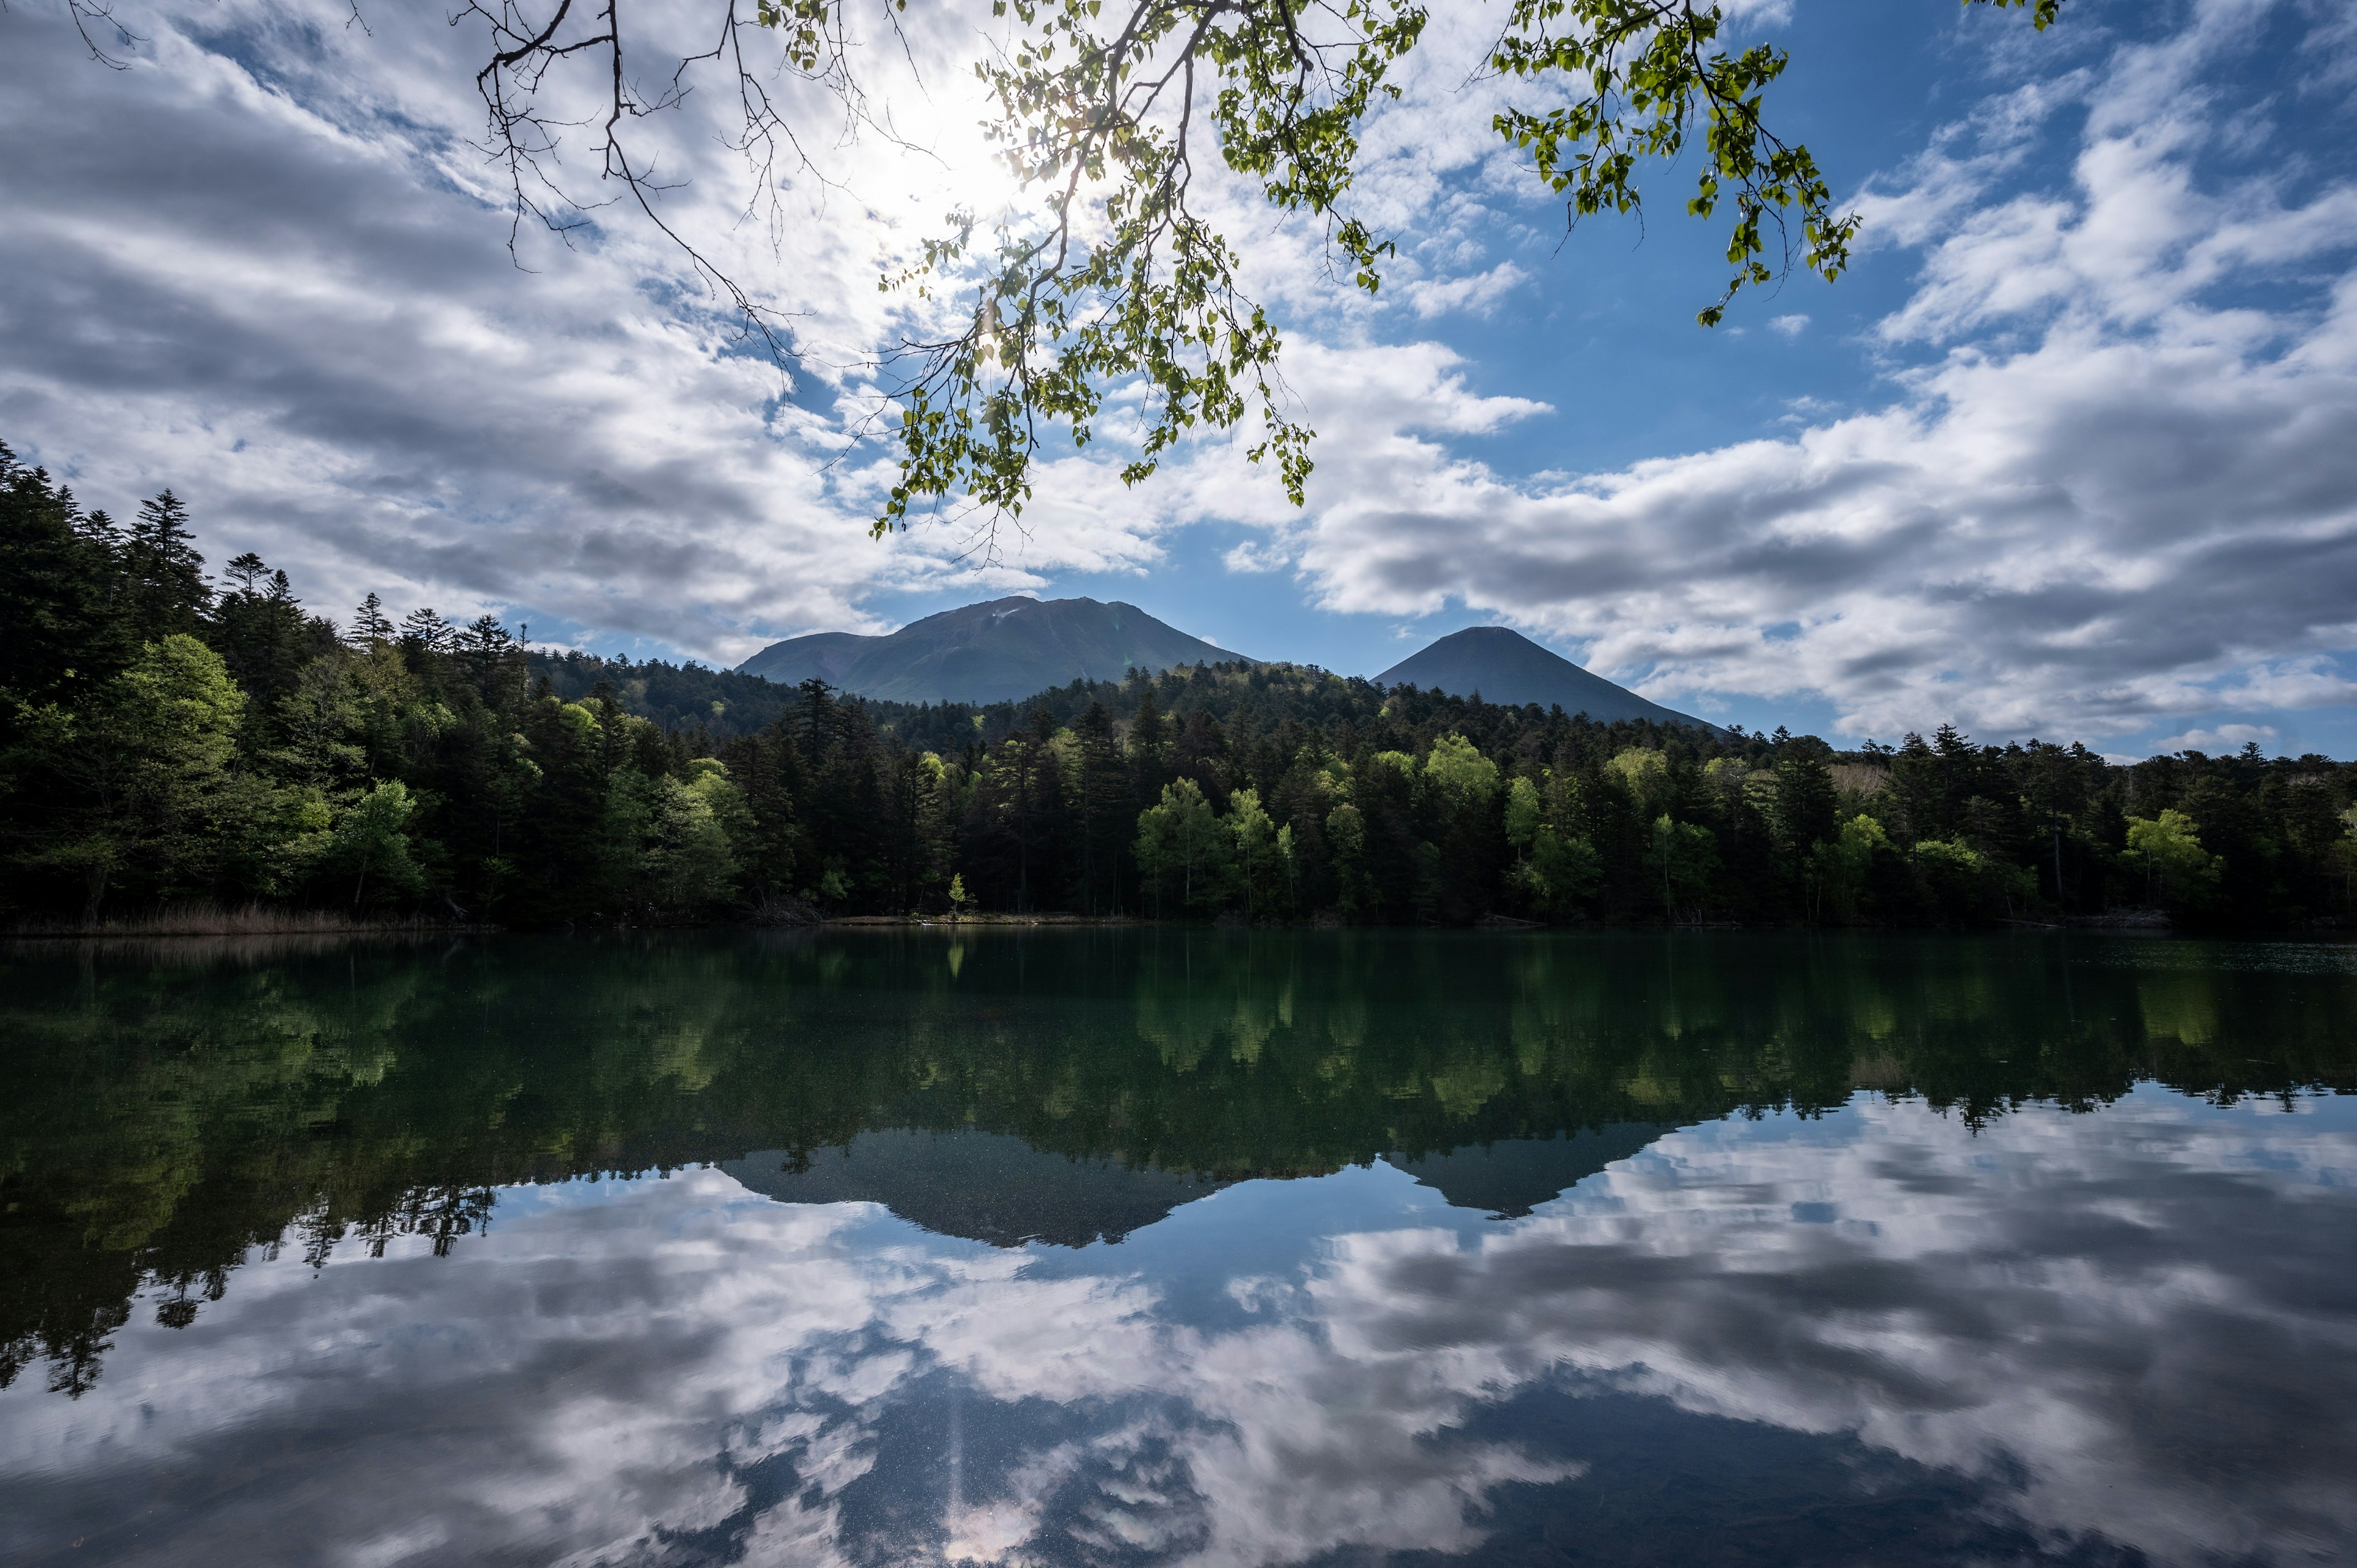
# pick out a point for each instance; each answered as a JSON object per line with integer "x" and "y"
{"x": 2070, "y": 451}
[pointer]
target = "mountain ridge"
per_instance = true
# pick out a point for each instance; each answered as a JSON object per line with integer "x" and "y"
{"x": 994, "y": 651}
{"x": 1006, "y": 650}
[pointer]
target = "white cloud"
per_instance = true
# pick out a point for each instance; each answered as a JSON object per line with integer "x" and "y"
{"x": 1788, "y": 326}
{"x": 2225, "y": 737}
{"x": 708, "y": 1338}
{"x": 2309, "y": 682}
{"x": 1253, "y": 556}
{"x": 2133, "y": 497}
{"x": 1479, "y": 292}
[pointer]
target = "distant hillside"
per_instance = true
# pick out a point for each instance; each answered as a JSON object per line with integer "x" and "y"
{"x": 1504, "y": 666}
{"x": 990, "y": 652}
{"x": 689, "y": 698}
{"x": 685, "y": 697}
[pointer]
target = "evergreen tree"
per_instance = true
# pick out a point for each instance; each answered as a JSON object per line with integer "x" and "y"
{"x": 1105, "y": 817}
{"x": 64, "y": 626}
{"x": 370, "y": 624}
{"x": 426, "y": 632}
{"x": 1148, "y": 764}
{"x": 768, "y": 771}
{"x": 167, "y": 582}
{"x": 1806, "y": 803}
{"x": 260, "y": 629}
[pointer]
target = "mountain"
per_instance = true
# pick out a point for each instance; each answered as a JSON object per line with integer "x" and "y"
{"x": 1514, "y": 1176}
{"x": 992, "y": 653}
{"x": 989, "y": 1186}
{"x": 1509, "y": 668}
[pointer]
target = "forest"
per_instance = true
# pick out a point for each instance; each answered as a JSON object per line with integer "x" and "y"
{"x": 170, "y": 740}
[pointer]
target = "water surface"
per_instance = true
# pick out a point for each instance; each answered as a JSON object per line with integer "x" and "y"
{"x": 1127, "y": 1247}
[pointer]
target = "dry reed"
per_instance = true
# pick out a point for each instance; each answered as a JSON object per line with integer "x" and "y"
{"x": 219, "y": 920}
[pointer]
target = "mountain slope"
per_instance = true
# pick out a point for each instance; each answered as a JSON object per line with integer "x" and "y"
{"x": 990, "y": 1187}
{"x": 1506, "y": 667}
{"x": 992, "y": 653}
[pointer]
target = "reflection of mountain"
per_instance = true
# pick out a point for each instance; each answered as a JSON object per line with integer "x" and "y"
{"x": 985, "y": 1185}
{"x": 992, "y": 1188}
{"x": 1512, "y": 1177}
{"x": 161, "y": 1118}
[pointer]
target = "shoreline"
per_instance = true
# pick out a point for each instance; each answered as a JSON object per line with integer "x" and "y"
{"x": 319, "y": 927}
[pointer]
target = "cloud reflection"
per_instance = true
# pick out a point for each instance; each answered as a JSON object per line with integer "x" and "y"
{"x": 2131, "y": 1329}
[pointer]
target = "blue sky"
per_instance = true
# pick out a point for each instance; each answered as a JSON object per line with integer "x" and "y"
{"x": 2068, "y": 453}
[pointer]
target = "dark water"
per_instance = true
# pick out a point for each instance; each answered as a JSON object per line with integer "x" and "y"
{"x": 1096, "y": 1246}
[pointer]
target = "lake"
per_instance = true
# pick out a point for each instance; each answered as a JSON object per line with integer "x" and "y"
{"x": 1224, "y": 1248}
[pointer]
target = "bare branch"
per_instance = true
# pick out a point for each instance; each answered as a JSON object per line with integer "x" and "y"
{"x": 99, "y": 15}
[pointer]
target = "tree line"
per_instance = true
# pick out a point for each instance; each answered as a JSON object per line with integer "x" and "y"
{"x": 167, "y": 737}
{"x": 170, "y": 1114}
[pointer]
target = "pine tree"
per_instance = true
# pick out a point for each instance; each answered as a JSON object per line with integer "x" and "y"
{"x": 259, "y": 629}
{"x": 1145, "y": 730}
{"x": 493, "y": 660}
{"x": 65, "y": 626}
{"x": 814, "y": 719}
{"x": 485, "y": 638}
{"x": 1105, "y": 808}
{"x": 427, "y": 632}
{"x": 1149, "y": 768}
{"x": 371, "y": 627}
{"x": 249, "y": 571}
{"x": 1957, "y": 771}
{"x": 168, "y": 587}
{"x": 1806, "y": 804}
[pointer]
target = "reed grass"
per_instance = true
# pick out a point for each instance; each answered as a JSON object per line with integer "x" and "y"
{"x": 207, "y": 920}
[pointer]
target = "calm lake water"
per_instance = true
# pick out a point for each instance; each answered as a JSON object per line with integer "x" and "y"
{"x": 1125, "y": 1247}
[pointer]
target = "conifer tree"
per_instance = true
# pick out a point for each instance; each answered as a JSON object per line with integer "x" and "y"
{"x": 64, "y": 629}
{"x": 168, "y": 588}
{"x": 370, "y": 625}
{"x": 259, "y": 628}
{"x": 1104, "y": 812}
{"x": 427, "y": 632}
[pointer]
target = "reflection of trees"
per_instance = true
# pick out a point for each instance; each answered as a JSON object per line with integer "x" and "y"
{"x": 159, "y": 1119}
